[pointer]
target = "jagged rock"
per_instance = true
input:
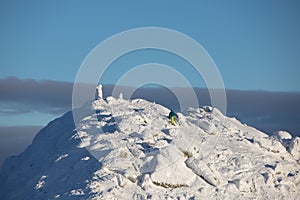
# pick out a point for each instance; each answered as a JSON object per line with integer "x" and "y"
{"x": 170, "y": 170}
{"x": 203, "y": 171}
{"x": 282, "y": 135}
{"x": 123, "y": 149}
{"x": 270, "y": 144}
{"x": 294, "y": 147}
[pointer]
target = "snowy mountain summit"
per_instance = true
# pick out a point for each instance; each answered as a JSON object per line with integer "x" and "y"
{"x": 124, "y": 149}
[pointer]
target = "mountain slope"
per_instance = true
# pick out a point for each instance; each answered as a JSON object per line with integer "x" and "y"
{"x": 129, "y": 150}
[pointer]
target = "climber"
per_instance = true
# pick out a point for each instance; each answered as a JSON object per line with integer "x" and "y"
{"x": 172, "y": 116}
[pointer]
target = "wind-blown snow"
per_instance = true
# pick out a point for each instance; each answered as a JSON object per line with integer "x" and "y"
{"x": 129, "y": 150}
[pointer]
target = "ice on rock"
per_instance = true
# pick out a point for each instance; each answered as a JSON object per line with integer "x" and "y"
{"x": 110, "y": 100}
{"x": 124, "y": 149}
{"x": 282, "y": 135}
{"x": 208, "y": 127}
{"x": 294, "y": 148}
{"x": 41, "y": 183}
{"x": 201, "y": 169}
{"x": 207, "y": 108}
{"x": 170, "y": 170}
{"x": 188, "y": 142}
{"x": 121, "y": 161}
{"x": 61, "y": 157}
{"x": 208, "y": 119}
{"x": 270, "y": 144}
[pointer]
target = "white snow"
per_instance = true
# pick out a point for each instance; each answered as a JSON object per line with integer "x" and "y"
{"x": 129, "y": 150}
{"x": 61, "y": 157}
{"x": 85, "y": 158}
{"x": 99, "y": 94}
{"x": 294, "y": 148}
{"x": 41, "y": 183}
{"x": 77, "y": 192}
{"x": 169, "y": 169}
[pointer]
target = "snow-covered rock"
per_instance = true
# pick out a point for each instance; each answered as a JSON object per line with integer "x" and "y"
{"x": 271, "y": 144}
{"x": 129, "y": 150}
{"x": 294, "y": 148}
{"x": 202, "y": 170}
{"x": 170, "y": 170}
{"x": 282, "y": 135}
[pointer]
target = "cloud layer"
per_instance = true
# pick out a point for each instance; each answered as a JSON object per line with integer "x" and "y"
{"x": 268, "y": 111}
{"x": 27, "y": 95}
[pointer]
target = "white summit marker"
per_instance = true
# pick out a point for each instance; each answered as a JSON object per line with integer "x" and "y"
{"x": 99, "y": 94}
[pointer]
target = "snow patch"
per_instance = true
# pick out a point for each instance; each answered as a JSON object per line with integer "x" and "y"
{"x": 41, "y": 182}
{"x": 61, "y": 157}
{"x": 85, "y": 158}
{"x": 77, "y": 192}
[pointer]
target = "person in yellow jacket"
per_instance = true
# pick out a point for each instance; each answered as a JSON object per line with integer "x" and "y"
{"x": 172, "y": 116}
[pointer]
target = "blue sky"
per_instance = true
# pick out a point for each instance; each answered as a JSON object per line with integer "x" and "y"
{"x": 255, "y": 44}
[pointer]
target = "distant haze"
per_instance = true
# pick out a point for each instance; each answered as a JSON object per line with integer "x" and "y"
{"x": 14, "y": 140}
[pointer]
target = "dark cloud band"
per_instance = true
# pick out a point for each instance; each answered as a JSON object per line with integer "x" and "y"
{"x": 268, "y": 111}
{"x": 25, "y": 95}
